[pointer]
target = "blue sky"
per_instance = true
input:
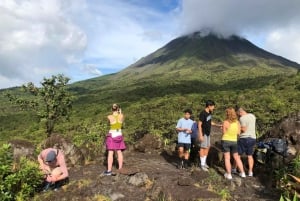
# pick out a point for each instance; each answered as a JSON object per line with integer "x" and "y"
{"x": 89, "y": 38}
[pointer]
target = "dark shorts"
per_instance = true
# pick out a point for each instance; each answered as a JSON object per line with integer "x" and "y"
{"x": 246, "y": 145}
{"x": 195, "y": 143}
{"x": 186, "y": 146}
{"x": 229, "y": 146}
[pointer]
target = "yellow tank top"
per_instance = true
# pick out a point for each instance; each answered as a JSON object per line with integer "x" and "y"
{"x": 117, "y": 125}
{"x": 232, "y": 132}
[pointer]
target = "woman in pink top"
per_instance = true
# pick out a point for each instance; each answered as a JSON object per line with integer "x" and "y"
{"x": 52, "y": 163}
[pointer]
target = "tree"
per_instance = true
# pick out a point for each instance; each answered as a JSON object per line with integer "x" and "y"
{"x": 52, "y": 102}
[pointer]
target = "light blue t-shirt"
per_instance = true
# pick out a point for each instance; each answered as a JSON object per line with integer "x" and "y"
{"x": 184, "y": 137}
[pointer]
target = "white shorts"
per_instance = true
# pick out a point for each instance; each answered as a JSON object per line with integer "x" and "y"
{"x": 115, "y": 133}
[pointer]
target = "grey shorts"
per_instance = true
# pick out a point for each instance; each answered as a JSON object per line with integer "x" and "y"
{"x": 206, "y": 142}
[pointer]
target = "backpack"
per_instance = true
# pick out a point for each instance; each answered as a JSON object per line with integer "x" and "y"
{"x": 278, "y": 145}
{"x": 265, "y": 149}
{"x": 194, "y": 130}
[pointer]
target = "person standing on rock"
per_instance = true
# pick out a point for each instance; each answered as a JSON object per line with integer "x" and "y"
{"x": 184, "y": 129}
{"x": 194, "y": 142}
{"x": 52, "y": 163}
{"x": 247, "y": 138}
{"x": 114, "y": 139}
{"x": 231, "y": 129}
{"x": 204, "y": 126}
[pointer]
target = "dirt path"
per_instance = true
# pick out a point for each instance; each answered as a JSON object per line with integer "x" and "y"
{"x": 154, "y": 176}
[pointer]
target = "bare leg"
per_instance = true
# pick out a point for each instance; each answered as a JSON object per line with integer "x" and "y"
{"x": 120, "y": 158}
{"x": 227, "y": 162}
{"x": 110, "y": 158}
{"x": 203, "y": 153}
{"x": 186, "y": 155}
{"x": 250, "y": 163}
{"x": 238, "y": 162}
{"x": 180, "y": 152}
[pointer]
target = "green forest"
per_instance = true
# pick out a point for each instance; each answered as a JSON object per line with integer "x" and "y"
{"x": 153, "y": 107}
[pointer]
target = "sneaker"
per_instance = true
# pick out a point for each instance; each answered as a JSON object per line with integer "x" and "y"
{"x": 234, "y": 171}
{"x": 250, "y": 174}
{"x": 180, "y": 164}
{"x": 204, "y": 168}
{"x": 242, "y": 174}
{"x": 107, "y": 173}
{"x": 227, "y": 176}
{"x": 185, "y": 164}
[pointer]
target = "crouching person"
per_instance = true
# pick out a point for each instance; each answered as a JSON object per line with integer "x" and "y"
{"x": 52, "y": 163}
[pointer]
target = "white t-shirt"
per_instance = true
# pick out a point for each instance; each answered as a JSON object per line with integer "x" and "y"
{"x": 248, "y": 121}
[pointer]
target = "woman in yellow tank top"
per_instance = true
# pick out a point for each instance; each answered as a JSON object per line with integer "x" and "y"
{"x": 231, "y": 130}
{"x": 114, "y": 139}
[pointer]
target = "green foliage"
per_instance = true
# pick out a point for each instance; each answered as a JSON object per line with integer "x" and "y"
{"x": 284, "y": 198}
{"x": 283, "y": 179}
{"x": 52, "y": 102}
{"x": 18, "y": 181}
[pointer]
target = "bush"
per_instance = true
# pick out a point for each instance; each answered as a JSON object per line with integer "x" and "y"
{"x": 17, "y": 181}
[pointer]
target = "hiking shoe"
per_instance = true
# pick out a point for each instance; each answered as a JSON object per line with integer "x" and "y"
{"x": 227, "y": 176}
{"x": 204, "y": 168}
{"x": 234, "y": 171}
{"x": 185, "y": 165}
{"x": 250, "y": 174}
{"x": 180, "y": 164}
{"x": 242, "y": 174}
{"x": 107, "y": 173}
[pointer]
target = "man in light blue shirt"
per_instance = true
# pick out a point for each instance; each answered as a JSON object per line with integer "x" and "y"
{"x": 184, "y": 129}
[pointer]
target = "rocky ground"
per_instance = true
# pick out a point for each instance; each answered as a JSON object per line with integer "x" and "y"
{"x": 150, "y": 173}
{"x": 153, "y": 176}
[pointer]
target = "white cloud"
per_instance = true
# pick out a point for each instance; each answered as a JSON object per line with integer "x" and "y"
{"x": 78, "y": 38}
{"x": 37, "y": 39}
{"x": 285, "y": 42}
{"x": 273, "y": 25}
{"x": 86, "y": 38}
{"x": 92, "y": 70}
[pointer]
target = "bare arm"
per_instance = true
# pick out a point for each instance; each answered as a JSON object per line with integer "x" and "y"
{"x": 63, "y": 167}
{"x": 239, "y": 128}
{"x": 200, "y": 136}
{"x": 225, "y": 126}
{"x": 215, "y": 124}
{"x": 243, "y": 129}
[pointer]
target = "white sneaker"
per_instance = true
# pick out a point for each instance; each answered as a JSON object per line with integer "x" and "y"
{"x": 243, "y": 175}
{"x": 204, "y": 168}
{"x": 250, "y": 174}
{"x": 227, "y": 176}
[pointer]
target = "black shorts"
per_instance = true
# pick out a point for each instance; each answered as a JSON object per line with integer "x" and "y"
{"x": 186, "y": 146}
{"x": 229, "y": 146}
{"x": 246, "y": 145}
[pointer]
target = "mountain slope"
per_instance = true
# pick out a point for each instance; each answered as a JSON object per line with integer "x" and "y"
{"x": 183, "y": 73}
{"x": 209, "y": 48}
{"x": 209, "y": 53}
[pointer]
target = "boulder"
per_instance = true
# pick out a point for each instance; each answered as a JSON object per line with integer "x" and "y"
{"x": 287, "y": 128}
{"x": 22, "y": 148}
{"x": 148, "y": 143}
{"x": 139, "y": 179}
{"x": 73, "y": 155}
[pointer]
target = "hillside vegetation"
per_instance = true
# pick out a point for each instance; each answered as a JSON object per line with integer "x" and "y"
{"x": 154, "y": 91}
